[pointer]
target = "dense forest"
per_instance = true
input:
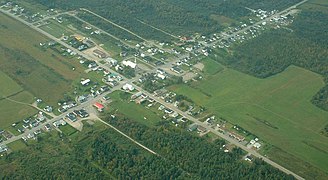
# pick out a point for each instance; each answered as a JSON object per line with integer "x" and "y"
{"x": 305, "y": 45}
{"x": 182, "y": 17}
{"x": 98, "y": 153}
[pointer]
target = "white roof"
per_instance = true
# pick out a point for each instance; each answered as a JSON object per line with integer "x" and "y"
{"x": 84, "y": 82}
{"x": 128, "y": 87}
{"x": 130, "y": 64}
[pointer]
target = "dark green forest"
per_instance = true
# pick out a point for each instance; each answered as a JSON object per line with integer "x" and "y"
{"x": 98, "y": 153}
{"x": 183, "y": 17}
{"x": 271, "y": 53}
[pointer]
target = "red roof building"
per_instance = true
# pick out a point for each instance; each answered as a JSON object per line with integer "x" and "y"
{"x": 99, "y": 106}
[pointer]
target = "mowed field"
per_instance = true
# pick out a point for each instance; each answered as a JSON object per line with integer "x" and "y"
{"x": 277, "y": 109}
{"x": 44, "y": 73}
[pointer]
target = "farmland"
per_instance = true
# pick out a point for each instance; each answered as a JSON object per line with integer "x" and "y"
{"x": 10, "y": 111}
{"x": 42, "y": 72}
{"x": 283, "y": 101}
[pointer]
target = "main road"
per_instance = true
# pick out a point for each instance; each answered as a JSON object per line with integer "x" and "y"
{"x": 227, "y": 138}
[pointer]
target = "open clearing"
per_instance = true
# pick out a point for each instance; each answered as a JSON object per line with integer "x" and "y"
{"x": 282, "y": 100}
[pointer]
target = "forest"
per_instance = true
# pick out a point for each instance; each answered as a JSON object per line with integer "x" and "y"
{"x": 101, "y": 153}
{"x": 304, "y": 44}
{"x": 182, "y": 17}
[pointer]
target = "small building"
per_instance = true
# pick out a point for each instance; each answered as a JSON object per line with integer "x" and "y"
{"x": 201, "y": 129}
{"x": 161, "y": 76}
{"x": 128, "y": 87}
{"x": 85, "y": 82}
{"x": 71, "y": 116}
{"x": 99, "y": 107}
{"x": 192, "y": 127}
{"x": 99, "y": 53}
{"x": 129, "y": 64}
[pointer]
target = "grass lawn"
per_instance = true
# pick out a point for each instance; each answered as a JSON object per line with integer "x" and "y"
{"x": 211, "y": 67}
{"x": 56, "y": 29}
{"x": 17, "y": 145}
{"x": 277, "y": 109}
{"x": 134, "y": 111}
{"x": 68, "y": 129}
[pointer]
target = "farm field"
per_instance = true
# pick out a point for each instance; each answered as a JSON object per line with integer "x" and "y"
{"x": 8, "y": 86}
{"x": 277, "y": 109}
{"x": 42, "y": 72}
{"x": 10, "y": 111}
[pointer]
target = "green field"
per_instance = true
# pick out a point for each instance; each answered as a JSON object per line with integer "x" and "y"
{"x": 56, "y": 29}
{"x": 44, "y": 73}
{"x": 10, "y": 111}
{"x": 68, "y": 130}
{"x": 211, "y": 67}
{"x": 8, "y": 86}
{"x": 133, "y": 111}
{"x": 277, "y": 109}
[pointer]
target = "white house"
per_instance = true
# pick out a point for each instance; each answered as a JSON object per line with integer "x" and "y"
{"x": 129, "y": 64}
{"x": 85, "y": 82}
{"x": 128, "y": 87}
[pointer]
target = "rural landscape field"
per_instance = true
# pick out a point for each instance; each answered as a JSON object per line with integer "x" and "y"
{"x": 164, "y": 89}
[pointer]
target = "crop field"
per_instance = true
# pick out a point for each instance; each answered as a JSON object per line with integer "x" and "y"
{"x": 277, "y": 109}
{"x": 44, "y": 73}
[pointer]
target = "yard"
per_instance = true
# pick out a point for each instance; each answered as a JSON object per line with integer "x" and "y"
{"x": 277, "y": 109}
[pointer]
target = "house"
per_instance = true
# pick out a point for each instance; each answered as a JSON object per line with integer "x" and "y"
{"x": 237, "y": 136}
{"x": 81, "y": 113}
{"x": 99, "y": 54}
{"x": 111, "y": 61}
{"x": 192, "y": 127}
{"x": 161, "y": 76}
{"x": 201, "y": 129}
{"x": 71, "y": 116}
{"x": 128, "y": 87}
{"x": 177, "y": 70}
{"x": 257, "y": 145}
{"x": 136, "y": 95}
{"x": 99, "y": 106}
{"x": 85, "y": 82}
{"x": 58, "y": 123}
{"x": 129, "y": 64}
{"x": 3, "y": 149}
{"x": 48, "y": 109}
{"x": 92, "y": 65}
{"x": 82, "y": 98}
{"x": 48, "y": 127}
